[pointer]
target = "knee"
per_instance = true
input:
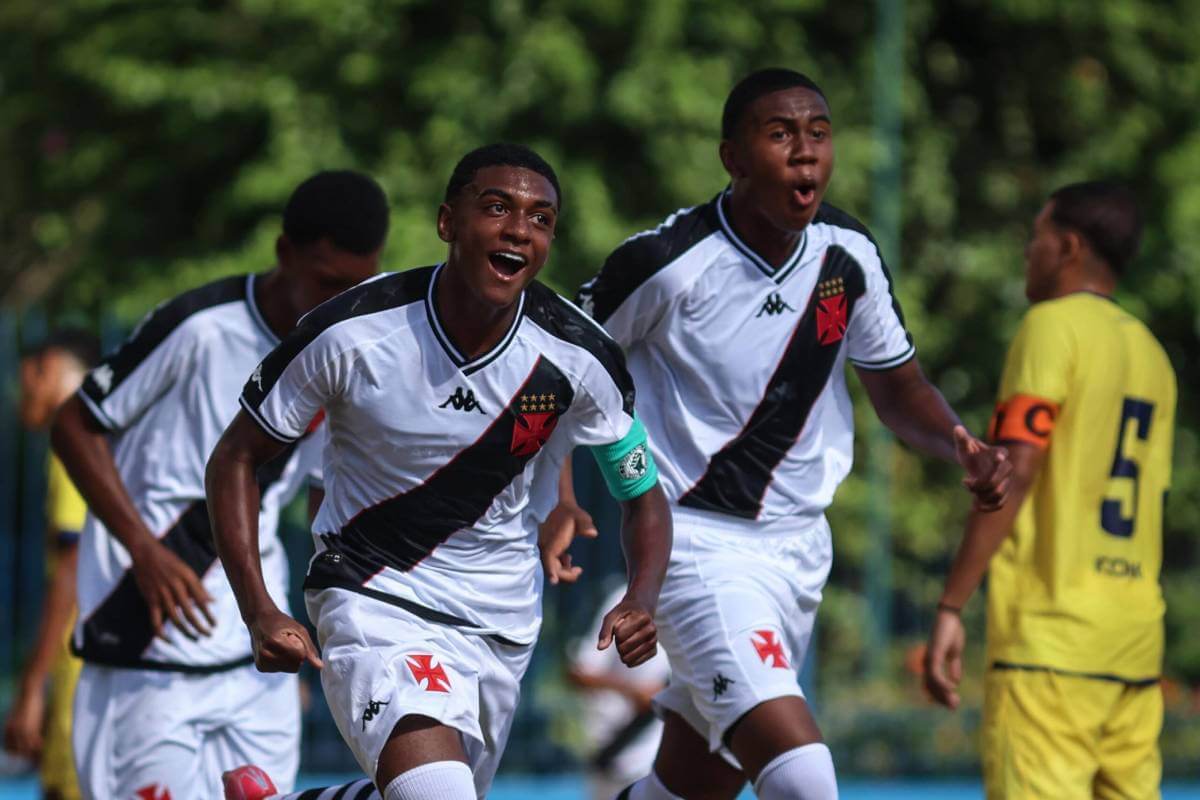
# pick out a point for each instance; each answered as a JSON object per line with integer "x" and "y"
{"x": 802, "y": 773}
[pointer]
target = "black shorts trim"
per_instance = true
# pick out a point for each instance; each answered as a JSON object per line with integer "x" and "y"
{"x": 1138, "y": 683}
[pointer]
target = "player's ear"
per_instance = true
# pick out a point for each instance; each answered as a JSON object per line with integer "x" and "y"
{"x": 1071, "y": 246}
{"x": 729, "y": 158}
{"x": 445, "y": 223}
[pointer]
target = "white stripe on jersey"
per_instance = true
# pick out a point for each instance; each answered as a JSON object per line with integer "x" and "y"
{"x": 439, "y": 468}
{"x": 741, "y": 367}
{"x": 167, "y": 395}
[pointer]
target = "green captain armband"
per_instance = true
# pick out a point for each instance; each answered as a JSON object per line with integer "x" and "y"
{"x": 627, "y": 466}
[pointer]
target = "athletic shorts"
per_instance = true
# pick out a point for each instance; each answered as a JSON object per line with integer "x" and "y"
{"x": 148, "y": 734}
{"x": 1050, "y": 736}
{"x": 735, "y": 616}
{"x": 382, "y": 664}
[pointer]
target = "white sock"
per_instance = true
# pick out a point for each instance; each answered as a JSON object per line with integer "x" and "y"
{"x": 358, "y": 790}
{"x": 648, "y": 788}
{"x": 802, "y": 773}
{"x": 441, "y": 780}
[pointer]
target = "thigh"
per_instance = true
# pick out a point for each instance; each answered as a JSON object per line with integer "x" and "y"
{"x": 689, "y": 768}
{"x": 1130, "y": 761}
{"x": 262, "y": 728}
{"x": 383, "y": 664}
{"x": 1038, "y": 739}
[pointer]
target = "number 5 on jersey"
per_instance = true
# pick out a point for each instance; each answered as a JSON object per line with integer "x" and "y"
{"x": 1125, "y": 465}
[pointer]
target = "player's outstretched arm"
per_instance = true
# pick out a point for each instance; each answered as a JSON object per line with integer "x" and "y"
{"x": 562, "y": 525}
{"x": 173, "y": 591}
{"x": 985, "y": 532}
{"x": 646, "y": 540}
{"x": 915, "y": 410}
{"x": 281, "y": 644}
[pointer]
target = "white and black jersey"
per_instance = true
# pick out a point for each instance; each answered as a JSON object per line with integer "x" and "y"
{"x": 166, "y": 396}
{"x": 438, "y": 468}
{"x": 740, "y": 367}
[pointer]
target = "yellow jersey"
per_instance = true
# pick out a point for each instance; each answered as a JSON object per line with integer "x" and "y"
{"x": 1075, "y": 587}
{"x": 65, "y": 508}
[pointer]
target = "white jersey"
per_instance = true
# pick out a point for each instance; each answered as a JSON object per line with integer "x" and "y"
{"x": 439, "y": 468}
{"x": 741, "y": 367}
{"x": 166, "y": 396}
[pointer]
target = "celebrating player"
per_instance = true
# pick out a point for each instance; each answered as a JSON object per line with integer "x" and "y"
{"x": 738, "y": 317}
{"x": 1072, "y": 706}
{"x": 39, "y": 725}
{"x": 168, "y": 697}
{"x": 453, "y": 395}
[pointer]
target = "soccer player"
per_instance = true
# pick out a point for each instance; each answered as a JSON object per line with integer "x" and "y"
{"x": 39, "y": 725}
{"x": 169, "y": 697}
{"x": 1072, "y": 706}
{"x": 453, "y": 395}
{"x": 738, "y": 318}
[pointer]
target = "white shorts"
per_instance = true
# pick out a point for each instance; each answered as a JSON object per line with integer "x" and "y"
{"x": 148, "y": 734}
{"x": 382, "y": 664}
{"x": 735, "y": 616}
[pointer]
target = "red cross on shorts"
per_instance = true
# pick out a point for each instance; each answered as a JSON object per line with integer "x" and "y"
{"x": 770, "y": 647}
{"x": 423, "y": 669}
{"x": 155, "y": 791}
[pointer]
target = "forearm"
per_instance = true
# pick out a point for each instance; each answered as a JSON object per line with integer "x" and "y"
{"x": 599, "y": 680}
{"x": 913, "y": 408}
{"x": 84, "y": 450}
{"x": 233, "y": 503}
{"x": 57, "y": 611}
{"x": 566, "y": 482}
{"x": 646, "y": 541}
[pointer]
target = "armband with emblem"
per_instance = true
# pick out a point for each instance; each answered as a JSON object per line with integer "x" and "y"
{"x": 627, "y": 466}
{"x": 1023, "y": 418}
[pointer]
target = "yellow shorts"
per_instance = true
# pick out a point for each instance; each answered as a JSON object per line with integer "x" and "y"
{"x": 1050, "y": 736}
{"x": 58, "y": 763}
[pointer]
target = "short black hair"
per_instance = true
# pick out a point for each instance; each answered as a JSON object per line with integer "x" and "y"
{"x": 1105, "y": 214}
{"x": 754, "y": 86}
{"x": 346, "y": 207}
{"x": 81, "y": 345}
{"x": 500, "y": 154}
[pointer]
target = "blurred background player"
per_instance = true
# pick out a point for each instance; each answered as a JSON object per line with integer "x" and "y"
{"x": 1072, "y": 706}
{"x": 168, "y": 697}
{"x": 39, "y": 724}
{"x": 621, "y": 728}
{"x": 738, "y": 317}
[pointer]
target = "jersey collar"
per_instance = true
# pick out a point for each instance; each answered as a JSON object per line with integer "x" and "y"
{"x": 468, "y": 366}
{"x": 256, "y": 313}
{"x": 778, "y": 275}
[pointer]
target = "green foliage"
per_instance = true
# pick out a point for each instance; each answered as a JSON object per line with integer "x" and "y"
{"x": 150, "y": 146}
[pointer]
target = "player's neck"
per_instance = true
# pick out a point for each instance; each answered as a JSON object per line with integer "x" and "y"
{"x": 772, "y": 244}
{"x": 474, "y": 326}
{"x": 1098, "y": 281}
{"x": 279, "y": 309}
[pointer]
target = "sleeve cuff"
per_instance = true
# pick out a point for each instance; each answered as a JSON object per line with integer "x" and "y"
{"x": 267, "y": 427}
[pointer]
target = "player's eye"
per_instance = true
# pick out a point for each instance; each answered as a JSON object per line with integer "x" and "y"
{"x": 494, "y": 208}
{"x": 778, "y": 134}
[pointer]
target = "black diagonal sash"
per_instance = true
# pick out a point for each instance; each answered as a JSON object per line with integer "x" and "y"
{"x": 738, "y": 475}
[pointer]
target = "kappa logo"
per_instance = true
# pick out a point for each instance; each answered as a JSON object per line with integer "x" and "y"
{"x": 256, "y": 376}
{"x": 423, "y": 668}
{"x": 774, "y": 304}
{"x": 103, "y": 376}
{"x": 155, "y": 791}
{"x": 373, "y": 709}
{"x": 538, "y": 414}
{"x": 633, "y": 465}
{"x": 721, "y": 685}
{"x": 831, "y": 311}
{"x": 463, "y": 401}
{"x": 769, "y": 649}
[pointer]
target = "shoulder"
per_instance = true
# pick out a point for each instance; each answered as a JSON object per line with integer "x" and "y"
{"x": 186, "y": 310}
{"x": 381, "y": 293}
{"x": 849, "y": 232}
{"x": 566, "y": 322}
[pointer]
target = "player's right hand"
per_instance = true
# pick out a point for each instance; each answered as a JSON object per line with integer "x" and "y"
{"x": 23, "y": 730}
{"x": 281, "y": 644}
{"x": 173, "y": 591}
{"x": 562, "y": 525}
{"x": 943, "y": 658}
{"x": 631, "y": 625}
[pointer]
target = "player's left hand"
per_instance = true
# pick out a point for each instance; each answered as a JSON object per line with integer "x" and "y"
{"x": 988, "y": 469}
{"x": 943, "y": 658}
{"x": 631, "y": 625}
{"x": 562, "y": 525}
{"x": 281, "y": 644}
{"x": 23, "y": 730}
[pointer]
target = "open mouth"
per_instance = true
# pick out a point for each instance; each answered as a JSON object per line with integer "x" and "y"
{"x": 805, "y": 192}
{"x": 507, "y": 264}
